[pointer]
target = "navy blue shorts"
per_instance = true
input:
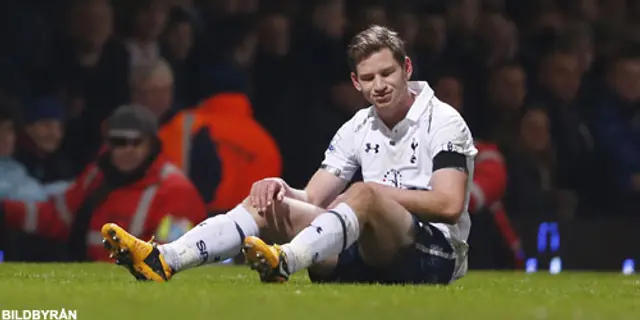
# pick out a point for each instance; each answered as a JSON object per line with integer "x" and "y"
{"x": 430, "y": 260}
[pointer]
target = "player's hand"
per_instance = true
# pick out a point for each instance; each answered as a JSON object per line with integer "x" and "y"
{"x": 266, "y": 191}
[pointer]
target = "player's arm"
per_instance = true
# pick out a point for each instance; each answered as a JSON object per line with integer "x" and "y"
{"x": 324, "y": 187}
{"x": 337, "y": 169}
{"x": 443, "y": 203}
{"x": 450, "y": 147}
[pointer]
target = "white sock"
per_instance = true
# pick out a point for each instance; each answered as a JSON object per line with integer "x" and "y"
{"x": 215, "y": 239}
{"x": 327, "y": 236}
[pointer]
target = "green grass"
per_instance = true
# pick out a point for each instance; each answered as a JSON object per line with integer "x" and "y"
{"x": 102, "y": 291}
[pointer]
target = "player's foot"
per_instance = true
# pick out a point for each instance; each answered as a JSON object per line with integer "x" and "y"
{"x": 269, "y": 261}
{"x": 143, "y": 259}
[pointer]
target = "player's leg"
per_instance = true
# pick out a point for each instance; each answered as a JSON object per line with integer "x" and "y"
{"x": 383, "y": 228}
{"x": 393, "y": 246}
{"x": 216, "y": 238}
{"x": 220, "y": 237}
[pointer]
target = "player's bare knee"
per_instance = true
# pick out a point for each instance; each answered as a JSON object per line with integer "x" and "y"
{"x": 260, "y": 220}
{"x": 361, "y": 197}
{"x": 288, "y": 218}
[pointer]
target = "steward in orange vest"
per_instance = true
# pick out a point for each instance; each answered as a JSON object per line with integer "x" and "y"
{"x": 221, "y": 148}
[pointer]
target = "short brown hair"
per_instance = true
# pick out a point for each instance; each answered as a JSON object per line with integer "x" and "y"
{"x": 372, "y": 40}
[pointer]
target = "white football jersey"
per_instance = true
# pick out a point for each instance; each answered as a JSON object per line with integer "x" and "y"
{"x": 402, "y": 156}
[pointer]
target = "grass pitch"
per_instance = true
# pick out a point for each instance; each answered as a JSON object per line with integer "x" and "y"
{"x": 103, "y": 291}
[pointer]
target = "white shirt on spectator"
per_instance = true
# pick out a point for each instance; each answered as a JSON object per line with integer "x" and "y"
{"x": 142, "y": 54}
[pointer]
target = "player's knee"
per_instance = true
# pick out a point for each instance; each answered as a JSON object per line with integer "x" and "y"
{"x": 246, "y": 204}
{"x": 267, "y": 218}
{"x": 361, "y": 196}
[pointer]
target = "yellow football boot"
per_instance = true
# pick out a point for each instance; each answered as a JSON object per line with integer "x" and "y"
{"x": 143, "y": 259}
{"x": 269, "y": 261}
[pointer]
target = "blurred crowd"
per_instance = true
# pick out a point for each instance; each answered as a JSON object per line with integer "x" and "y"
{"x": 229, "y": 91}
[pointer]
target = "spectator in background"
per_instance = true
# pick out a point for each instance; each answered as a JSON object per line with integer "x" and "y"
{"x": 130, "y": 183}
{"x": 277, "y": 94}
{"x": 210, "y": 11}
{"x": 226, "y": 60}
{"x": 152, "y": 86}
{"x": 581, "y": 10}
{"x": 500, "y": 116}
{"x": 191, "y": 9}
{"x": 15, "y": 182}
{"x": 559, "y": 79}
{"x": 187, "y": 5}
{"x": 39, "y": 149}
{"x": 273, "y": 72}
{"x": 496, "y": 243}
{"x": 177, "y": 42}
{"x": 490, "y": 6}
{"x": 221, "y": 148}
{"x": 500, "y": 42}
{"x": 462, "y": 18}
{"x": 578, "y": 38}
{"x": 616, "y": 124}
{"x": 430, "y": 46}
{"x": 530, "y": 167}
{"x": 406, "y": 21}
{"x": 614, "y": 14}
{"x": 497, "y": 43}
{"x": 326, "y": 93}
{"x": 408, "y": 25}
{"x": 146, "y": 22}
{"x": 232, "y": 7}
{"x": 538, "y": 34}
{"x": 320, "y": 50}
{"x": 13, "y": 84}
{"x": 371, "y": 12}
{"x": 548, "y": 17}
{"x": 94, "y": 67}
{"x": 449, "y": 89}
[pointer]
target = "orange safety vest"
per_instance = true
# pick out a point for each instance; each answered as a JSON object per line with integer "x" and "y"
{"x": 246, "y": 150}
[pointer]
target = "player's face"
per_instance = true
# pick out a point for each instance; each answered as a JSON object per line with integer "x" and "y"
{"x": 382, "y": 80}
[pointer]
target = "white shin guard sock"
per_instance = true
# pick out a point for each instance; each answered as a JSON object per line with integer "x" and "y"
{"x": 327, "y": 236}
{"x": 215, "y": 239}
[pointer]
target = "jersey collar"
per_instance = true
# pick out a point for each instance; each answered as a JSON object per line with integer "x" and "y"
{"x": 425, "y": 93}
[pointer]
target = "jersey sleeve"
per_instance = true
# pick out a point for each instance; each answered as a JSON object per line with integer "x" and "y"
{"x": 452, "y": 135}
{"x": 340, "y": 157}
